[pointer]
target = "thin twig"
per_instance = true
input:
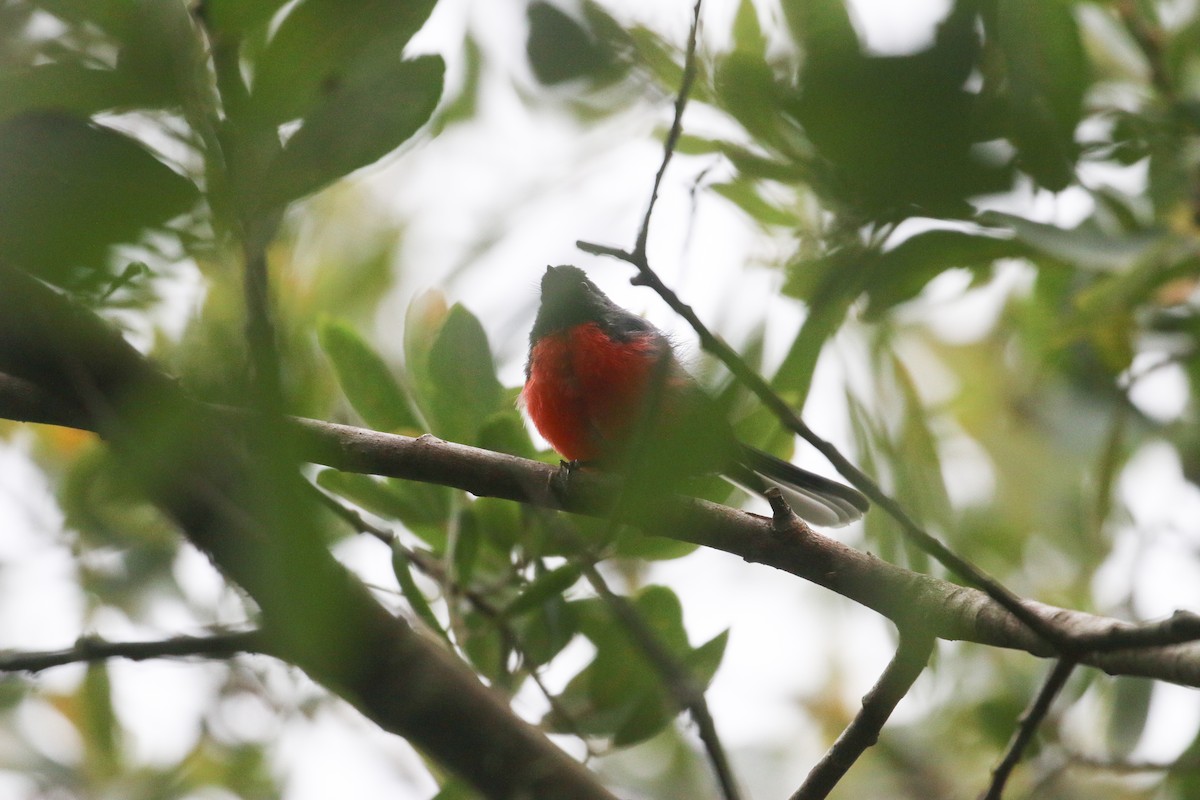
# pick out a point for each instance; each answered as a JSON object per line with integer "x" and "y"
{"x": 433, "y": 569}
{"x": 912, "y": 655}
{"x": 678, "y": 680}
{"x": 89, "y": 649}
{"x": 776, "y": 404}
{"x": 672, "y": 140}
{"x": 648, "y": 277}
{"x": 1027, "y": 726}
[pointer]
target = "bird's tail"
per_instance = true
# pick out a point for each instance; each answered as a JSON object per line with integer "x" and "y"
{"x": 815, "y": 498}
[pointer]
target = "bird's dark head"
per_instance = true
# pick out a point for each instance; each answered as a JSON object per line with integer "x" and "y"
{"x": 568, "y": 299}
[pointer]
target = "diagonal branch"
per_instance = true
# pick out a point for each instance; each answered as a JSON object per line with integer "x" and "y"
{"x": 674, "y": 674}
{"x": 192, "y": 462}
{"x": 905, "y": 667}
{"x": 788, "y": 418}
{"x": 1027, "y": 726}
{"x": 1166, "y": 650}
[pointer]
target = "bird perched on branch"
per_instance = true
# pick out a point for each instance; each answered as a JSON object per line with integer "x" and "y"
{"x": 604, "y": 387}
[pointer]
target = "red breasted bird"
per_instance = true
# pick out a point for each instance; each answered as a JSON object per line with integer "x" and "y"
{"x": 605, "y": 389}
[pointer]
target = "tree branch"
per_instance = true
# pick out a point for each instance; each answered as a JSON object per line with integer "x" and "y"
{"x": 315, "y": 614}
{"x": 906, "y": 666}
{"x": 678, "y": 680}
{"x": 1027, "y": 726}
{"x": 87, "y": 649}
{"x": 1165, "y": 650}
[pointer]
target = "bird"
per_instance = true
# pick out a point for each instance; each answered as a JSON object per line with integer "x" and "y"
{"x": 606, "y": 389}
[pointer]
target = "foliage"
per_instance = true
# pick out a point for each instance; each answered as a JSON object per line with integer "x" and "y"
{"x": 147, "y": 141}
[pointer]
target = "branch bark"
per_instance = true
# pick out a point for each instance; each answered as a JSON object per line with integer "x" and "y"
{"x": 1164, "y": 649}
{"x": 314, "y": 614}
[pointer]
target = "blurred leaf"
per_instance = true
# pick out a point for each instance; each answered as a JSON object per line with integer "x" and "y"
{"x": 68, "y": 87}
{"x": 99, "y": 727}
{"x": 160, "y": 51}
{"x": 620, "y": 694}
{"x": 746, "y": 196}
{"x": 422, "y": 508}
{"x": 466, "y": 552}
{"x": 454, "y": 789}
{"x": 366, "y": 379}
{"x": 1128, "y": 713}
{"x": 70, "y": 189}
{"x": 639, "y": 545}
{"x": 320, "y": 43}
{"x": 545, "y": 631}
{"x": 897, "y": 133}
{"x": 423, "y": 321}
{"x": 464, "y": 389}
{"x": 387, "y": 98}
{"x": 918, "y": 464}
{"x": 900, "y": 273}
{"x": 485, "y": 646}
{"x": 747, "y": 31}
{"x": 1086, "y": 246}
{"x": 1046, "y": 70}
{"x": 235, "y": 17}
{"x": 505, "y": 432}
{"x": 828, "y": 286}
{"x": 560, "y": 48}
{"x": 543, "y": 588}
{"x": 500, "y": 521}
{"x": 402, "y": 568}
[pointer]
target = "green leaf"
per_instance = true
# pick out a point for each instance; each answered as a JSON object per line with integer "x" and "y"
{"x": 99, "y": 727}
{"x": 70, "y": 189}
{"x": 505, "y": 432}
{"x": 829, "y": 286}
{"x": 545, "y": 631}
{"x": 424, "y": 509}
{"x": 1130, "y": 710}
{"x": 465, "y": 391}
{"x": 365, "y": 379}
{"x": 387, "y": 99}
{"x": 560, "y": 48}
{"x": 546, "y": 586}
{"x": 1047, "y": 75}
{"x": 68, "y": 87}
{"x": 402, "y": 568}
{"x": 160, "y": 51}
{"x": 704, "y": 661}
{"x": 900, "y": 273}
{"x": 237, "y": 17}
{"x": 319, "y": 41}
{"x": 1086, "y": 246}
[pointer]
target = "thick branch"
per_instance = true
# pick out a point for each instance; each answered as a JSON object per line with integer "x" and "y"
{"x": 1164, "y": 650}
{"x": 315, "y": 614}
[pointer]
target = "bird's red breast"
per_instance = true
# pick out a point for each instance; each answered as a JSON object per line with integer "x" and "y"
{"x": 585, "y": 391}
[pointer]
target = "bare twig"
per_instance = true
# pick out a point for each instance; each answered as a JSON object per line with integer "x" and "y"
{"x": 676, "y": 677}
{"x": 648, "y": 277}
{"x": 672, "y": 140}
{"x": 916, "y": 645}
{"x": 88, "y": 649}
{"x": 432, "y": 568}
{"x": 1027, "y": 726}
{"x": 863, "y": 731}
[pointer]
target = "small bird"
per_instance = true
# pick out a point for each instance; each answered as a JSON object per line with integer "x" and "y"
{"x": 604, "y": 387}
